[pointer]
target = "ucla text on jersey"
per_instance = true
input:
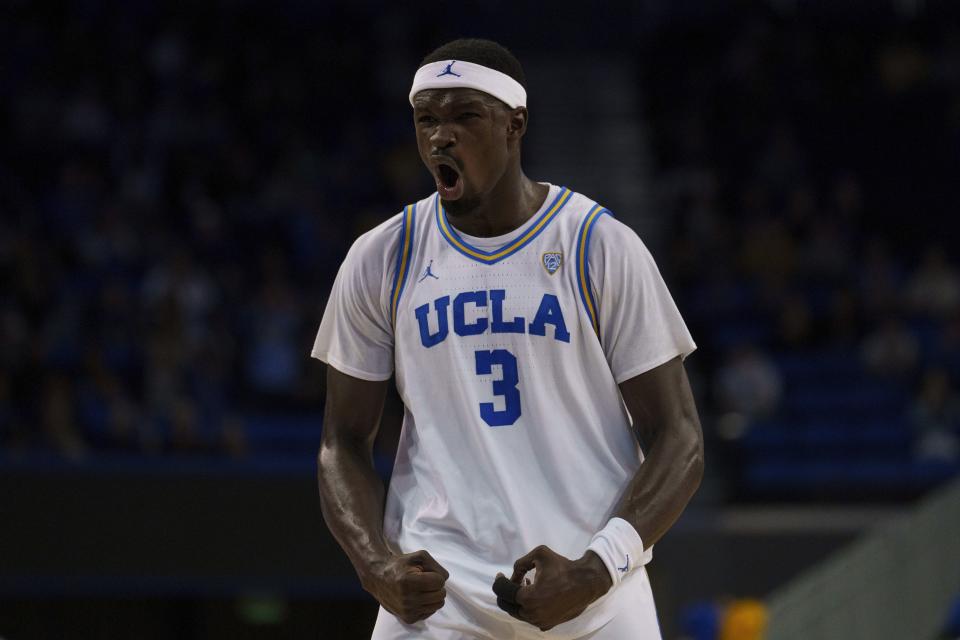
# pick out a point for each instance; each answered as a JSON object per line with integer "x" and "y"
{"x": 549, "y": 312}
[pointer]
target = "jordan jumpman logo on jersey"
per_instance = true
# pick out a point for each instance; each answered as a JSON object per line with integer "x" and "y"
{"x": 448, "y": 71}
{"x": 428, "y": 273}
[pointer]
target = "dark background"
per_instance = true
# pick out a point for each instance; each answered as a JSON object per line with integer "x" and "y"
{"x": 179, "y": 184}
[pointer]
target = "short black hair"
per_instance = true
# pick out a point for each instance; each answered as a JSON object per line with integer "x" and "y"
{"x": 479, "y": 51}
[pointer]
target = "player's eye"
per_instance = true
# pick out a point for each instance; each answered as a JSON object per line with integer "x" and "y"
{"x": 468, "y": 115}
{"x": 426, "y": 120}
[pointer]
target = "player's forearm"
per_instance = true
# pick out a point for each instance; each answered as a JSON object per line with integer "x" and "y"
{"x": 665, "y": 482}
{"x": 352, "y": 500}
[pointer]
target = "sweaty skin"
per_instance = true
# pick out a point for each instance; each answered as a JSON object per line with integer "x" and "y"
{"x": 479, "y": 136}
{"x": 410, "y": 586}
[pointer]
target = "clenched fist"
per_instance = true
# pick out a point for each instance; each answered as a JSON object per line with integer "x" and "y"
{"x": 409, "y": 586}
{"x": 560, "y": 591}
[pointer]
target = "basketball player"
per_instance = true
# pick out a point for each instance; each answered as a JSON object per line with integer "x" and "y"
{"x": 528, "y": 330}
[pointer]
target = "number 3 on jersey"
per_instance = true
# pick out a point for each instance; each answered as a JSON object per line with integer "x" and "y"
{"x": 505, "y": 386}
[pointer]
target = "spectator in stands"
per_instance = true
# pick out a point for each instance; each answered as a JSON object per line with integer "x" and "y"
{"x": 110, "y": 418}
{"x": 825, "y": 254}
{"x": 183, "y": 432}
{"x": 167, "y": 360}
{"x": 748, "y": 383}
{"x": 234, "y": 437}
{"x": 768, "y": 252}
{"x": 58, "y": 418}
{"x": 934, "y": 289}
{"x": 180, "y": 278}
{"x": 880, "y": 278}
{"x": 843, "y": 330}
{"x": 273, "y": 362}
{"x": 890, "y": 349}
{"x": 795, "y": 328}
{"x": 948, "y": 344}
{"x": 935, "y": 417}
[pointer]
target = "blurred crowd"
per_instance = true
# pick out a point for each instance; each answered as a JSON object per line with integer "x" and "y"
{"x": 177, "y": 193}
{"x": 810, "y": 173}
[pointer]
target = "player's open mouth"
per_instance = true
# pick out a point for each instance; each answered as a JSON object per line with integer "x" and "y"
{"x": 449, "y": 182}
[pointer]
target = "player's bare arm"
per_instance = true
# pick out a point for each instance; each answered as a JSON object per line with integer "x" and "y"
{"x": 667, "y": 424}
{"x": 665, "y": 417}
{"x": 411, "y": 586}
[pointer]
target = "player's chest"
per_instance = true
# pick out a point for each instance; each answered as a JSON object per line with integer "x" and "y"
{"x": 453, "y": 297}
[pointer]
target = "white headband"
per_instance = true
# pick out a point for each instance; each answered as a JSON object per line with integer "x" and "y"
{"x": 457, "y": 73}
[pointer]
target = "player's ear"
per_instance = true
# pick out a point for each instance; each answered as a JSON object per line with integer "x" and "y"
{"x": 517, "y": 122}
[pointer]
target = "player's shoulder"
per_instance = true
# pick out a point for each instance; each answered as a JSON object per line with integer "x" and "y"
{"x": 380, "y": 238}
{"x": 578, "y": 206}
{"x": 373, "y": 255}
{"x": 598, "y": 224}
{"x": 385, "y": 239}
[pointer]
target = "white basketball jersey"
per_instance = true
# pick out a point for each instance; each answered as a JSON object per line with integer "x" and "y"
{"x": 508, "y": 352}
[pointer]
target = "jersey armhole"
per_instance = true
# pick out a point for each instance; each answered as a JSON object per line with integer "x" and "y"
{"x": 404, "y": 255}
{"x": 584, "y": 284}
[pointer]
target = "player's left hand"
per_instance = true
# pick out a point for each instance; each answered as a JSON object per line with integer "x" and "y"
{"x": 560, "y": 591}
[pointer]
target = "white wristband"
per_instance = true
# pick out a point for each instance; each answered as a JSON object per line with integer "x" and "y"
{"x": 619, "y": 546}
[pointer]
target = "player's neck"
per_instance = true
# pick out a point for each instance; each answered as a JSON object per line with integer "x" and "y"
{"x": 505, "y": 208}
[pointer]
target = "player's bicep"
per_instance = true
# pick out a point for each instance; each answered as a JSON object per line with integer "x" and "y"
{"x": 353, "y": 409}
{"x": 660, "y": 401}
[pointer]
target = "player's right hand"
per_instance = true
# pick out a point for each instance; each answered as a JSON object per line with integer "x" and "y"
{"x": 410, "y": 586}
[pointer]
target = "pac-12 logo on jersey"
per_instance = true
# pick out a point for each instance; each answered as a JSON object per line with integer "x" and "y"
{"x": 552, "y": 260}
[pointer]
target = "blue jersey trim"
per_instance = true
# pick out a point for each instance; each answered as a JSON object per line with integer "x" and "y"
{"x": 492, "y": 257}
{"x": 583, "y": 265}
{"x": 404, "y": 253}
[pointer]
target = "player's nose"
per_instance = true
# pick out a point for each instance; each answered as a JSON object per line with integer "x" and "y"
{"x": 442, "y": 136}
